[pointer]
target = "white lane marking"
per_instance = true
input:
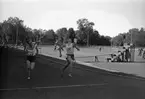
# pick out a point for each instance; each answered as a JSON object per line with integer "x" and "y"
{"x": 53, "y": 87}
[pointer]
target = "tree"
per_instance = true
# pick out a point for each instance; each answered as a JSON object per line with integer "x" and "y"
{"x": 134, "y": 35}
{"x": 71, "y": 34}
{"x": 16, "y": 22}
{"x": 5, "y": 32}
{"x": 49, "y": 36}
{"x": 94, "y": 38}
{"x": 80, "y": 37}
{"x": 86, "y": 27}
{"x": 62, "y": 34}
{"x": 11, "y": 27}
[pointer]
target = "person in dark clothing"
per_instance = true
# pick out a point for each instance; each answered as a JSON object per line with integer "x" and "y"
{"x": 32, "y": 50}
{"x": 140, "y": 51}
{"x": 127, "y": 54}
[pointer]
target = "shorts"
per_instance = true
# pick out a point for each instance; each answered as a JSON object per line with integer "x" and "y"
{"x": 71, "y": 55}
{"x": 31, "y": 58}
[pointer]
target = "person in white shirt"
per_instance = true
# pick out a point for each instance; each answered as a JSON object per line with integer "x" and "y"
{"x": 70, "y": 56}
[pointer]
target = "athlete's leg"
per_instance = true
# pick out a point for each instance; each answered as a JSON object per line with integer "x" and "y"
{"x": 70, "y": 68}
{"x": 64, "y": 68}
{"x": 72, "y": 62}
{"x": 60, "y": 54}
{"x": 32, "y": 65}
{"x": 55, "y": 47}
{"x": 62, "y": 49}
{"x": 28, "y": 68}
{"x": 67, "y": 64}
{"x": 28, "y": 64}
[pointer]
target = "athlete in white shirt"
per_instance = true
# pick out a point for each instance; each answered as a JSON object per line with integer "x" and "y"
{"x": 70, "y": 56}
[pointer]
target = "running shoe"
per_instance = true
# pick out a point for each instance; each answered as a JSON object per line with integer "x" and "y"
{"x": 28, "y": 78}
{"x": 70, "y": 75}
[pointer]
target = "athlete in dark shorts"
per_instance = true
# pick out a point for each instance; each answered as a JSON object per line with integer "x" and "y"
{"x": 70, "y": 56}
{"x": 31, "y": 56}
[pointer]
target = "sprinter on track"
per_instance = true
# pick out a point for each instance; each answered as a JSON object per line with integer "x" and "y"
{"x": 58, "y": 46}
{"x": 69, "y": 56}
{"x": 31, "y": 56}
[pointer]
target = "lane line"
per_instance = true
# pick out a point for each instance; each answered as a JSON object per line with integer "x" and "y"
{"x": 54, "y": 87}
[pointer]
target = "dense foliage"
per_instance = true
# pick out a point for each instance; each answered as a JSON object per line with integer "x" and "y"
{"x": 134, "y": 36}
{"x": 14, "y": 31}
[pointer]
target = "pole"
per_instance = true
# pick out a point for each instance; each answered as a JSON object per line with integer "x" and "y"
{"x": 17, "y": 36}
{"x": 131, "y": 38}
{"x": 111, "y": 45}
{"x": 88, "y": 40}
{"x": 132, "y": 49}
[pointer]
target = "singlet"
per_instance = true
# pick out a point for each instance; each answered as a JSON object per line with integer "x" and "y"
{"x": 31, "y": 50}
{"x": 69, "y": 49}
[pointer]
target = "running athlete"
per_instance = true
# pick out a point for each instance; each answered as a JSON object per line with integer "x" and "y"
{"x": 58, "y": 46}
{"x": 70, "y": 56}
{"x": 31, "y": 56}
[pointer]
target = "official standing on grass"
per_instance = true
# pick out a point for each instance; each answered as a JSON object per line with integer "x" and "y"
{"x": 143, "y": 55}
{"x": 127, "y": 54}
{"x": 140, "y": 51}
{"x": 69, "y": 56}
{"x": 31, "y": 56}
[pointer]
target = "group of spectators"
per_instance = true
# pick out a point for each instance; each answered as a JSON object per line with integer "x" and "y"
{"x": 121, "y": 56}
{"x": 141, "y": 52}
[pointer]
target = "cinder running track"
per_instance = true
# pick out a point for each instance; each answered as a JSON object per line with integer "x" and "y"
{"x": 46, "y": 82}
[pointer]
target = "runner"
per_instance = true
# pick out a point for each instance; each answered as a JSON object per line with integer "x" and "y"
{"x": 70, "y": 56}
{"x": 57, "y": 46}
{"x": 31, "y": 56}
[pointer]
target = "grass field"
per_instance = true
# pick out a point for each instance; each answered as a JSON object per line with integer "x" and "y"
{"x": 46, "y": 82}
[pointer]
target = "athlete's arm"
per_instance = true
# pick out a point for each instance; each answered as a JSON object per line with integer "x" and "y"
{"x": 26, "y": 48}
{"x": 37, "y": 51}
{"x": 75, "y": 46}
{"x": 63, "y": 45}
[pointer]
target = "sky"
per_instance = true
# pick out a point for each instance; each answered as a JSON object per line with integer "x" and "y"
{"x": 111, "y": 17}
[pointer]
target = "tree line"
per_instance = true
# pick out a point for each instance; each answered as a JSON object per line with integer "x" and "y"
{"x": 133, "y": 36}
{"x": 14, "y": 31}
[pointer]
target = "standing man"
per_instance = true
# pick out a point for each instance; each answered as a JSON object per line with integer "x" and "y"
{"x": 143, "y": 55}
